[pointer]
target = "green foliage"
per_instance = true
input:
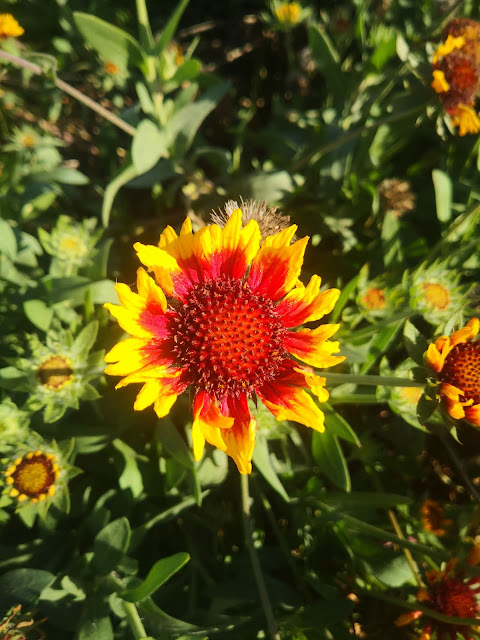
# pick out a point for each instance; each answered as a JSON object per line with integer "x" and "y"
{"x": 131, "y": 120}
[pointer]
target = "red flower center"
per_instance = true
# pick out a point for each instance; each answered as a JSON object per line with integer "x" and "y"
{"x": 34, "y": 475}
{"x": 230, "y": 339}
{"x": 454, "y": 597}
{"x": 462, "y": 369}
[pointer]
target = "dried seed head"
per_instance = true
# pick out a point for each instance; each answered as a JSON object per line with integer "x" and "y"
{"x": 396, "y": 196}
{"x": 269, "y": 219}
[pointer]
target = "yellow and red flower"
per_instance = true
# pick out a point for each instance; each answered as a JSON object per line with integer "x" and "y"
{"x": 433, "y": 518}
{"x": 456, "y": 361}
{"x": 456, "y": 73}
{"x": 218, "y": 318}
{"x": 451, "y": 593}
{"x": 32, "y": 477}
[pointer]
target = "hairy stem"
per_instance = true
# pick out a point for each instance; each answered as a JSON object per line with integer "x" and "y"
{"x": 71, "y": 91}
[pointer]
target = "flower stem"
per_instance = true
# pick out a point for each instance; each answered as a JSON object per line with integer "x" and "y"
{"x": 134, "y": 621}
{"x": 377, "y": 381}
{"x": 75, "y": 93}
{"x": 257, "y": 570}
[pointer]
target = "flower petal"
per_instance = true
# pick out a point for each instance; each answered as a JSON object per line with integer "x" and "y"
{"x": 434, "y": 358}
{"x": 208, "y": 423}
{"x": 240, "y": 442}
{"x": 276, "y": 267}
{"x": 311, "y": 346}
{"x": 287, "y": 402}
{"x": 472, "y": 414}
{"x": 168, "y": 273}
{"x": 306, "y": 304}
{"x": 128, "y": 355}
{"x": 239, "y": 245}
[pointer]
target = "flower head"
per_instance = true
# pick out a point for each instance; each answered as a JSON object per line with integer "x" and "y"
{"x": 456, "y": 73}
{"x": 288, "y": 13}
{"x": 218, "y": 318}
{"x": 9, "y": 27}
{"x": 71, "y": 243}
{"x": 32, "y": 477}
{"x": 58, "y": 372}
{"x": 433, "y": 519}
{"x": 396, "y": 196}
{"x": 435, "y": 292}
{"x": 456, "y": 361}
{"x": 451, "y": 593}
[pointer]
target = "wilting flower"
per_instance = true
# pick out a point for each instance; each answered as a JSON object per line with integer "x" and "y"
{"x": 396, "y": 196}
{"x": 456, "y": 361}
{"x": 9, "y": 27}
{"x": 435, "y": 292}
{"x": 456, "y": 73}
{"x": 451, "y": 593}
{"x": 433, "y": 519}
{"x": 15, "y": 625}
{"x": 218, "y": 318}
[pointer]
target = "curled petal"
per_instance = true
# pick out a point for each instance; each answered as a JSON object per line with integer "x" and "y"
{"x": 311, "y": 346}
{"x": 291, "y": 403}
{"x": 208, "y": 423}
{"x": 306, "y": 304}
{"x": 434, "y": 358}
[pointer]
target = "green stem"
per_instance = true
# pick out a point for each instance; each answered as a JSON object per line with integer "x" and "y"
{"x": 146, "y": 36}
{"x": 377, "y": 381}
{"x": 133, "y": 620}
{"x": 71, "y": 91}
{"x": 257, "y": 570}
{"x": 354, "y": 398}
{"x": 375, "y": 328}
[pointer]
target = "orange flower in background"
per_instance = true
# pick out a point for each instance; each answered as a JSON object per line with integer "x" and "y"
{"x": 219, "y": 319}
{"x": 456, "y": 73}
{"x": 433, "y": 519}
{"x": 456, "y": 361}
{"x": 374, "y": 299}
{"x": 9, "y": 27}
{"x": 451, "y": 593}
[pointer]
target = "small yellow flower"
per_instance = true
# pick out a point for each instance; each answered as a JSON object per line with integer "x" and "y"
{"x": 288, "y": 13}
{"x": 466, "y": 119}
{"x": 456, "y": 361}
{"x": 374, "y": 299}
{"x": 111, "y": 68}
{"x": 436, "y": 295}
{"x": 9, "y": 27}
{"x": 32, "y": 477}
{"x": 56, "y": 372}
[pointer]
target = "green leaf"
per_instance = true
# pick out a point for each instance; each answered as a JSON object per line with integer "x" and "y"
{"x": 327, "y": 59}
{"x": 189, "y": 70}
{"x": 329, "y": 456}
{"x": 130, "y": 478}
{"x": 39, "y": 313}
{"x": 95, "y": 623}
{"x": 414, "y": 342}
{"x": 127, "y": 174}
{"x": 110, "y": 545}
{"x": 168, "y": 435}
{"x": 169, "y": 29}
{"x": 425, "y": 407}
{"x": 379, "y": 345}
{"x": 395, "y": 573}
{"x": 364, "y": 499}
{"x": 335, "y": 423}
{"x": 161, "y": 571}
{"x": 111, "y": 43}
{"x": 443, "y": 195}
{"x": 23, "y": 586}
{"x": 149, "y": 145}
{"x": 85, "y": 339}
{"x": 346, "y": 292}
{"x": 184, "y": 124}
{"x": 262, "y": 461}
{"x": 65, "y": 175}
{"x": 8, "y": 242}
